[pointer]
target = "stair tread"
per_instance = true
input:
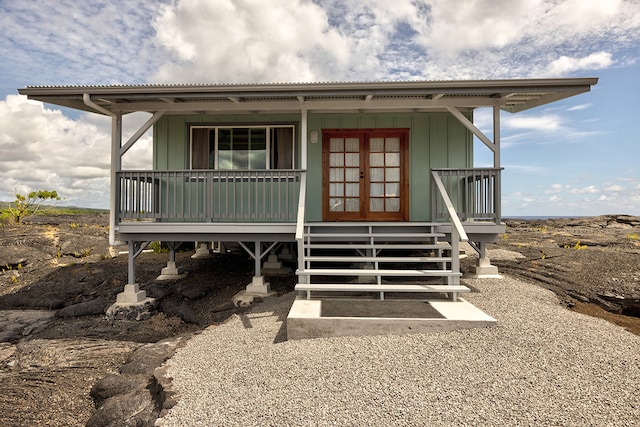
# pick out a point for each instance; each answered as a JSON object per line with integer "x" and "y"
{"x": 386, "y": 234}
{"x": 375, "y": 246}
{"x": 374, "y": 259}
{"x": 373, "y": 272}
{"x": 380, "y": 288}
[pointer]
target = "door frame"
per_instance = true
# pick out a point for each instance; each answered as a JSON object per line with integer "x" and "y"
{"x": 364, "y": 214}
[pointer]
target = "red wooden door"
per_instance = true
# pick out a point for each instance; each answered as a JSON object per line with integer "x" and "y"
{"x": 365, "y": 175}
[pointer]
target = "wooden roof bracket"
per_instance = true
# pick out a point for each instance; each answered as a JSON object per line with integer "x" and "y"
{"x": 494, "y": 146}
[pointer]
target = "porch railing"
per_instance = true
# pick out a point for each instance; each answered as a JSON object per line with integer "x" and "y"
{"x": 474, "y": 193}
{"x": 209, "y": 195}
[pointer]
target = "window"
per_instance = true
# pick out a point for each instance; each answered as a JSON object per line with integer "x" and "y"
{"x": 242, "y": 148}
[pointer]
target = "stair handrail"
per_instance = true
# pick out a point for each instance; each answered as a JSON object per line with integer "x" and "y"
{"x": 450, "y": 209}
{"x": 301, "y": 206}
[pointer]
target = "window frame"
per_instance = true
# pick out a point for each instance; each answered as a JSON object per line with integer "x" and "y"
{"x": 269, "y": 151}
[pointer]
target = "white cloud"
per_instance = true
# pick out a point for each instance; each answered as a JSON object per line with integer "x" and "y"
{"x": 555, "y": 189}
{"x": 249, "y": 41}
{"x": 591, "y": 189}
{"x": 539, "y": 123}
{"x": 615, "y": 188}
{"x": 579, "y": 107}
{"x": 70, "y": 42}
{"x": 44, "y": 150}
{"x": 566, "y": 65}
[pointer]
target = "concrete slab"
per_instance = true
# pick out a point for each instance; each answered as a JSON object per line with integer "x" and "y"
{"x": 358, "y": 317}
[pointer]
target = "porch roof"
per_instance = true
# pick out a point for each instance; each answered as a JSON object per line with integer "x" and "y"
{"x": 510, "y": 95}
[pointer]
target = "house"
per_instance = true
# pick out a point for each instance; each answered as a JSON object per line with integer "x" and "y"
{"x": 372, "y": 181}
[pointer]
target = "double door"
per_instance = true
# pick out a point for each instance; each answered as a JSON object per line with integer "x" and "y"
{"x": 365, "y": 175}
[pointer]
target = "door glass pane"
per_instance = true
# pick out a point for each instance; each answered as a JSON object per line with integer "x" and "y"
{"x": 352, "y": 159}
{"x": 353, "y": 190}
{"x": 336, "y": 174}
{"x": 336, "y": 145}
{"x": 376, "y": 174}
{"x": 392, "y": 159}
{"x": 392, "y": 205}
{"x": 393, "y": 144}
{"x": 336, "y": 205}
{"x": 353, "y": 205}
{"x": 352, "y": 145}
{"x": 336, "y": 190}
{"x": 376, "y": 159}
{"x": 336, "y": 159}
{"x": 376, "y": 144}
{"x": 352, "y": 175}
{"x": 392, "y": 189}
{"x": 376, "y": 205}
{"x": 376, "y": 190}
{"x": 393, "y": 174}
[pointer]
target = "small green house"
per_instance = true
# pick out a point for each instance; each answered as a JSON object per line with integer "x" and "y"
{"x": 370, "y": 181}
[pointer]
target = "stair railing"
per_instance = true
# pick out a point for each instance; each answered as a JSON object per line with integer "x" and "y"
{"x": 300, "y": 222}
{"x": 458, "y": 234}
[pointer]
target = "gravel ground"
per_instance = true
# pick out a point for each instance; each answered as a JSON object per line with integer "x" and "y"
{"x": 540, "y": 365}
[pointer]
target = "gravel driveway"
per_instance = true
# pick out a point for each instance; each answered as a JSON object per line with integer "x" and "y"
{"x": 541, "y": 365}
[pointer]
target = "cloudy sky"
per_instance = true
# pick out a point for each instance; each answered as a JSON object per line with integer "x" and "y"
{"x": 576, "y": 157}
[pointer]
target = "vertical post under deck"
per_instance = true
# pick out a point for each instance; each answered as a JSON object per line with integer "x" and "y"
{"x": 257, "y": 258}
{"x": 132, "y": 263}
{"x": 455, "y": 260}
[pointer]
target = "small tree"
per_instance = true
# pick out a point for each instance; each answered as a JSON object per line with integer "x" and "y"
{"x": 30, "y": 204}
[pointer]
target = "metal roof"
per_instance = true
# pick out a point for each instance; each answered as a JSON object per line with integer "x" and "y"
{"x": 511, "y": 95}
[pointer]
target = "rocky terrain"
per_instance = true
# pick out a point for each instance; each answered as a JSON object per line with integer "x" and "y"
{"x": 63, "y": 363}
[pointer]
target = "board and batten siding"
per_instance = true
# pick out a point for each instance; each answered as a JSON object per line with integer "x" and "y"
{"x": 437, "y": 140}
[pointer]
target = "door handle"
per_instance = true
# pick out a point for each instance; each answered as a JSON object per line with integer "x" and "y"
{"x": 361, "y": 174}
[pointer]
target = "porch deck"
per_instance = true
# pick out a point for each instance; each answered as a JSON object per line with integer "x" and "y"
{"x": 206, "y": 232}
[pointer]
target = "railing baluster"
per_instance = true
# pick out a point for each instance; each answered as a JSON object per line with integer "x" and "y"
{"x": 475, "y": 192}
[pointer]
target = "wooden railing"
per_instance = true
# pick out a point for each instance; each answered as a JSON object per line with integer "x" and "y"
{"x": 474, "y": 194}
{"x": 209, "y": 195}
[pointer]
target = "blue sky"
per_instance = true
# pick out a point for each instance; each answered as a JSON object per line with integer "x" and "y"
{"x": 577, "y": 157}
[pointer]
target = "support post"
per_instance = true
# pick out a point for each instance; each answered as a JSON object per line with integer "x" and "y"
{"x": 132, "y": 303}
{"x": 172, "y": 271}
{"x": 484, "y": 269}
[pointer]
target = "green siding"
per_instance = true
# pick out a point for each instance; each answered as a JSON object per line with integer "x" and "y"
{"x": 437, "y": 140}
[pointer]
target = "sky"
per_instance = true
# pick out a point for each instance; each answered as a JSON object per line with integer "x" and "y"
{"x": 577, "y": 157}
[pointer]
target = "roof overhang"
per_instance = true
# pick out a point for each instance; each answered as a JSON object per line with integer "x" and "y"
{"x": 510, "y": 95}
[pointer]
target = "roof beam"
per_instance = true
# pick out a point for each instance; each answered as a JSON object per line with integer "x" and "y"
{"x": 312, "y": 105}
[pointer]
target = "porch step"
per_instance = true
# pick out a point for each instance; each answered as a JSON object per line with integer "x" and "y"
{"x": 363, "y": 287}
{"x": 384, "y": 259}
{"x": 404, "y": 248}
{"x": 376, "y": 272}
{"x": 426, "y": 246}
{"x": 373, "y": 234}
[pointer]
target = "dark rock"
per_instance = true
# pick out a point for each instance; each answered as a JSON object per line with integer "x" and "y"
{"x": 87, "y": 308}
{"x": 113, "y": 385}
{"x": 148, "y": 357}
{"x": 194, "y": 291}
{"x": 26, "y": 299}
{"x": 180, "y": 309}
{"x": 132, "y": 312}
{"x": 158, "y": 290}
{"x": 134, "y": 409}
